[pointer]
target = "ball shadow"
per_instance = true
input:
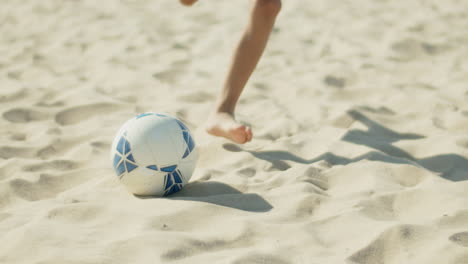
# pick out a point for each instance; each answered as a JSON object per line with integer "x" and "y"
{"x": 224, "y": 195}
{"x": 220, "y": 194}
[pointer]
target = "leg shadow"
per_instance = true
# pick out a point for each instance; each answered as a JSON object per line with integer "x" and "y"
{"x": 452, "y": 167}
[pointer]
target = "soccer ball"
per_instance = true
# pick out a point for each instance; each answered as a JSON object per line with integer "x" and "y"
{"x": 154, "y": 154}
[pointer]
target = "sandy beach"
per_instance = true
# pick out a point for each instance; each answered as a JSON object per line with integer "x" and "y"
{"x": 359, "y": 111}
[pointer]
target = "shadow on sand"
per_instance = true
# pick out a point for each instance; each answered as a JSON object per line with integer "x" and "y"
{"x": 452, "y": 167}
{"x": 220, "y": 194}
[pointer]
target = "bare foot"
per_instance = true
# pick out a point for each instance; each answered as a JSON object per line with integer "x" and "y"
{"x": 225, "y": 125}
{"x": 188, "y": 2}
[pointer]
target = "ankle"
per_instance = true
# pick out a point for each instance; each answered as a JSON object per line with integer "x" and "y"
{"x": 222, "y": 115}
{"x": 224, "y": 110}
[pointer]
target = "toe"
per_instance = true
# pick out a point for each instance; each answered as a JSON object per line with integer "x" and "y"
{"x": 242, "y": 135}
{"x": 248, "y": 131}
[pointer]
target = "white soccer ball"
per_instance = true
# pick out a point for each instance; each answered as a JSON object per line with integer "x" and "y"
{"x": 154, "y": 154}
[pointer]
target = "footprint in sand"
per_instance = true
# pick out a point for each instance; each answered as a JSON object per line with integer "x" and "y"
{"x": 24, "y": 115}
{"x": 75, "y": 213}
{"x": 307, "y": 206}
{"x": 102, "y": 145}
{"x": 315, "y": 177}
{"x": 380, "y": 208}
{"x": 54, "y": 165}
{"x": 335, "y": 81}
{"x": 247, "y": 172}
{"x": 407, "y": 49}
{"x": 389, "y": 242}
{"x": 460, "y": 239}
{"x": 12, "y": 96}
{"x": 77, "y": 114}
{"x": 55, "y": 148}
{"x": 8, "y": 152}
{"x": 46, "y": 186}
{"x": 18, "y": 137}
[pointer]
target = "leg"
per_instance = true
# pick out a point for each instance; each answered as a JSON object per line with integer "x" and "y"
{"x": 246, "y": 56}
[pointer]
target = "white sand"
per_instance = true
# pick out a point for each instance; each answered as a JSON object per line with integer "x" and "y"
{"x": 360, "y": 115}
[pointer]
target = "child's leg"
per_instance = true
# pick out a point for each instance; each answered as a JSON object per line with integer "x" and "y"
{"x": 248, "y": 52}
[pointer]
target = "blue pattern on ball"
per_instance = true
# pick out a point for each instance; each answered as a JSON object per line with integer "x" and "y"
{"x": 187, "y": 138}
{"x": 120, "y": 145}
{"x": 177, "y": 178}
{"x": 125, "y": 163}
{"x": 117, "y": 159}
{"x": 152, "y": 167}
{"x": 169, "y": 168}
{"x": 130, "y": 158}
{"x": 172, "y": 182}
{"x": 127, "y": 147}
{"x": 169, "y": 182}
{"x": 187, "y": 152}
{"x": 120, "y": 169}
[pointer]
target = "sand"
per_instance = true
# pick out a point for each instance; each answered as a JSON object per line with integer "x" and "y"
{"x": 359, "y": 110}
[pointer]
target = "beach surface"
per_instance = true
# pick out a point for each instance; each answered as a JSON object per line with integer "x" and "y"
{"x": 359, "y": 111}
